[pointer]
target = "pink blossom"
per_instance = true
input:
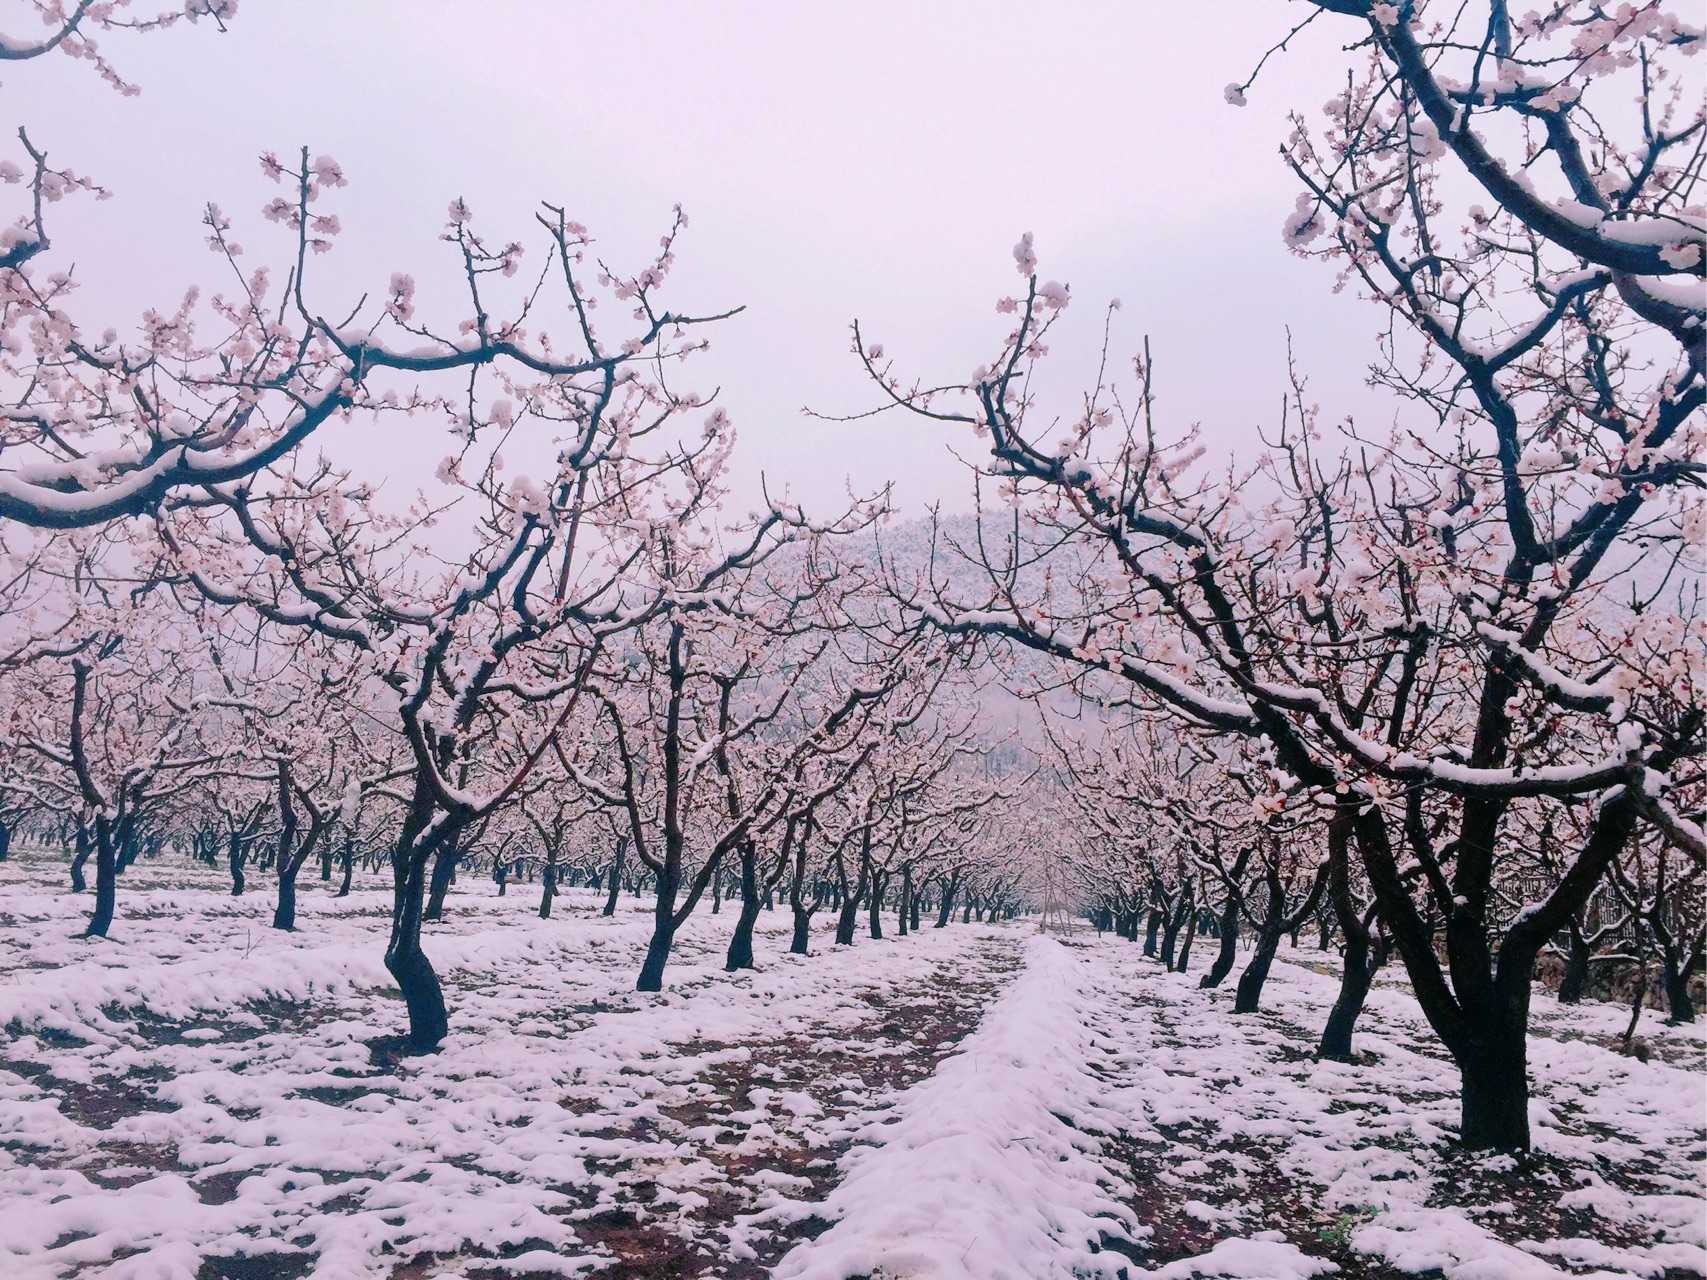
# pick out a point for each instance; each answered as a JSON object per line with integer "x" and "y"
{"x": 1025, "y": 258}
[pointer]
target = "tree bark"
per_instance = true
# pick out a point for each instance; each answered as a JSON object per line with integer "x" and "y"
{"x": 1249, "y": 993}
{"x": 615, "y": 877}
{"x": 1185, "y": 946}
{"x": 657, "y": 952}
{"x": 1229, "y": 946}
{"x": 1677, "y": 989}
{"x": 1494, "y": 1104}
{"x": 284, "y": 910}
{"x": 1357, "y": 964}
{"x": 106, "y": 882}
{"x": 78, "y": 883}
{"x": 423, "y": 996}
{"x": 945, "y": 912}
{"x": 1170, "y": 929}
{"x": 444, "y": 870}
{"x": 740, "y": 954}
{"x": 1575, "y": 980}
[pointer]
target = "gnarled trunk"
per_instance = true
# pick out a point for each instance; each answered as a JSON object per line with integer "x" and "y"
{"x": 84, "y": 845}
{"x": 1357, "y": 973}
{"x": 284, "y": 910}
{"x": 106, "y": 883}
{"x": 615, "y": 877}
{"x": 349, "y": 857}
{"x": 740, "y": 955}
{"x": 1251, "y": 981}
{"x": 1359, "y": 962}
{"x": 408, "y": 964}
{"x": 1677, "y": 989}
{"x": 1577, "y": 959}
{"x": 1229, "y": 930}
{"x": 1170, "y": 930}
{"x": 945, "y": 912}
{"x": 236, "y": 855}
{"x": 657, "y": 952}
{"x": 1494, "y": 1103}
{"x": 444, "y": 871}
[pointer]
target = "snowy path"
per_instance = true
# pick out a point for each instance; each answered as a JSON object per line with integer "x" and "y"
{"x": 987, "y": 1169}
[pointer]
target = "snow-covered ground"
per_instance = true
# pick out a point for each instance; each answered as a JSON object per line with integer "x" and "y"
{"x": 204, "y": 1097}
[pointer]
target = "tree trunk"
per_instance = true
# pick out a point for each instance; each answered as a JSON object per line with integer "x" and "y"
{"x": 236, "y": 856}
{"x": 802, "y": 931}
{"x": 657, "y": 954}
{"x": 1677, "y": 988}
{"x": 444, "y": 870}
{"x": 1229, "y": 946}
{"x": 615, "y": 879}
{"x": 1495, "y": 1100}
{"x": 663, "y": 926}
{"x": 847, "y": 920}
{"x": 1170, "y": 931}
{"x": 1150, "y": 931}
{"x": 78, "y": 883}
{"x": 741, "y": 941}
{"x": 106, "y": 885}
{"x": 945, "y": 912}
{"x": 876, "y": 909}
{"x": 1185, "y": 946}
{"x": 284, "y": 911}
{"x": 1575, "y": 979}
{"x": 1357, "y": 972}
{"x": 904, "y": 908}
{"x": 548, "y": 889}
{"x": 128, "y": 846}
{"x": 1358, "y": 963}
{"x": 1256, "y": 972}
{"x": 408, "y": 964}
{"x": 349, "y": 868}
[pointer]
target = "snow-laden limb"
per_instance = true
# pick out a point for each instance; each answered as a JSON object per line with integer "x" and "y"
{"x": 979, "y": 1175}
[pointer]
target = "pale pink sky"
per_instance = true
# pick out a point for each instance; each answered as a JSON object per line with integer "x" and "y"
{"x": 876, "y": 161}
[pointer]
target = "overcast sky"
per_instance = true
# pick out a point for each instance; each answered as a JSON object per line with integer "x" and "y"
{"x": 876, "y": 161}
